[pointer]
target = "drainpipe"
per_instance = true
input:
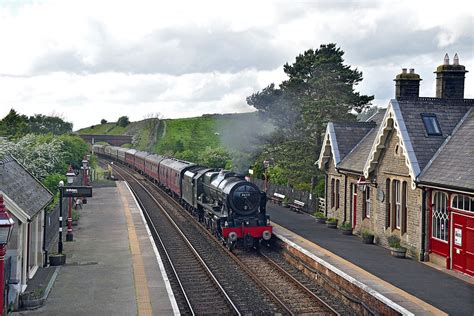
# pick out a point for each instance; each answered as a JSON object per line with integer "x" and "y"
{"x": 423, "y": 224}
{"x": 45, "y": 251}
{"x": 326, "y": 194}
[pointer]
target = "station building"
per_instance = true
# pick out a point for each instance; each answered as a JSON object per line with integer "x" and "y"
{"x": 408, "y": 171}
{"x": 25, "y": 199}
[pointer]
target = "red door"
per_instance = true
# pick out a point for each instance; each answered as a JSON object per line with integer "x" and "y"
{"x": 463, "y": 243}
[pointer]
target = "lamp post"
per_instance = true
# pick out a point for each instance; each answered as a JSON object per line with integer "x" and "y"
{"x": 266, "y": 164}
{"x": 6, "y": 227}
{"x": 70, "y": 179}
{"x": 60, "y": 240}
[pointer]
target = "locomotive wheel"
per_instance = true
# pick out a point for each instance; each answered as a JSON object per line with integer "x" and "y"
{"x": 230, "y": 245}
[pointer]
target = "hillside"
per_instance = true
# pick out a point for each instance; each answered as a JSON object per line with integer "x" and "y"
{"x": 186, "y": 138}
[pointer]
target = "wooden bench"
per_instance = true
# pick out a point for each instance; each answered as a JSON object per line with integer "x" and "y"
{"x": 277, "y": 198}
{"x": 296, "y": 206}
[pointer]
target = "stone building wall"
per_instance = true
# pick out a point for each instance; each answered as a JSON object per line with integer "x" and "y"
{"x": 392, "y": 166}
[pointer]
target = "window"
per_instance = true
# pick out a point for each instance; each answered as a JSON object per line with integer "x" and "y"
{"x": 333, "y": 198}
{"x": 387, "y": 203}
{"x": 404, "y": 208}
{"x": 337, "y": 194}
{"x": 439, "y": 217}
{"x": 462, "y": 202}
{"x": 431, "y": 124}
{"x": 398, "y": 203}
{"x": 368, "y": 205}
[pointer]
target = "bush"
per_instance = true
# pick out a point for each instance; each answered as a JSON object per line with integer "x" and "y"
{"x": 394, "y": 242}
{"x": 346, "y": 226}
{"x": 331, "y": 220}
{"x": 123, "y": 121}
{"x": 367, "y": 233}
{"x": 319, "y": 215}
{"x": 103, "y": 121}
{"x": 75, "y": 215}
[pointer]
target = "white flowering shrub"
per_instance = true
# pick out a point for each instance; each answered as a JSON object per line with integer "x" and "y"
{"x": 41, "y": 155}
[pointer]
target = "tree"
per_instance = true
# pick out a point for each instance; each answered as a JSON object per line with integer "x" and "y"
{"x": 14, "y": 125}
{"x": 319, "y": 89}
{"x": 214, "y": 157}
{"x": 123, "y": 121}
{"x": 103, "y": 121}
{"x": 42, "y": 124}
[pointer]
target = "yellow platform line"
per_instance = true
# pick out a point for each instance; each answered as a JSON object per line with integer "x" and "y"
{"x": 343, "y": 262}
{"x": 141, "y": 285}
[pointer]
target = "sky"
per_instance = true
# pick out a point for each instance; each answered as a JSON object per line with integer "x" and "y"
{"x": 92, "y": 60}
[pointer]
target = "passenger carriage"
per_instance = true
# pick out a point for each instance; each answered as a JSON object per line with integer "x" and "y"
{"x": 130, "y": 157}
{"x": 171, "y": 171}
{"x": 121, "y": 154}
{"x": 139, "y": 162}
{"x": 152, "y": 163}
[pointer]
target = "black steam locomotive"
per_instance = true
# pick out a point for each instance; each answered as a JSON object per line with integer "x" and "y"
{"x": 229, "y": 205}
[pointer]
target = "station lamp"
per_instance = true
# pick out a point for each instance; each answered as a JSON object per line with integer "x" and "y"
{"x": 70, "y": 175}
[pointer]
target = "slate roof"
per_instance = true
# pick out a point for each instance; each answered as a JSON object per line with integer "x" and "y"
{"x": 449, "y": 113}
{"x": 349, "y": 134}
{"x": 356, "y": 158}
{"x": 22, "y": 187}
{"x": 453, "y": 164}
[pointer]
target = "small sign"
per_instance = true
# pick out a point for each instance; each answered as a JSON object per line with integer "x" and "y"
{"x": 458, "y": 236}
{"x": 77, "y": 191}
{"x": 250, "y": 171}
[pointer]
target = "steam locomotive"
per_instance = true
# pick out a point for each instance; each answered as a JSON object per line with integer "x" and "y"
{"x": 232, "y": 208}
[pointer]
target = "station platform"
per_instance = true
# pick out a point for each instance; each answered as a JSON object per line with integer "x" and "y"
{"x": 415, "y": 287}
{"x": 111, "y": 266}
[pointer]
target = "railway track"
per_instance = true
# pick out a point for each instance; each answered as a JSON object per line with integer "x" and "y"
{"x": 291, "y": 293}
{"x": 198, "y": 290}
{"x": 288, "y": 295}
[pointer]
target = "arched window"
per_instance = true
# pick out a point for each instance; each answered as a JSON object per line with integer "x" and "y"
{"x": 462, "y": 202}
{"x": 367, "y": 202}
{"x": 387, "y": 203}
{"x": 333, "y": 198}
{"x": 397, "y": 199}
{"x": 404, "y": 207}
{"x": 439, "y": 217}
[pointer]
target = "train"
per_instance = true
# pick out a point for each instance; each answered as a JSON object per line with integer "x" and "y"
{"x": 231, "y": 207}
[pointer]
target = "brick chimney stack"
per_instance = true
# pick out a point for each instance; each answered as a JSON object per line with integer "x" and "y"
{"x": 407, "y": 84}
{"x": 450, "y": 79}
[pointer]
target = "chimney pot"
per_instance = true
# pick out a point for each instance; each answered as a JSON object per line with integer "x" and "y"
{"x": 456, "y": 60}
{"x": 404, "y": 70}
{"x": 446, "y": 59}
{"x": 412, "y": 70}
{"x": 450, "y": 79}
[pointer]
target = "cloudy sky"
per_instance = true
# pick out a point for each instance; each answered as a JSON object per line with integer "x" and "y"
{"x": 88, "y": 60}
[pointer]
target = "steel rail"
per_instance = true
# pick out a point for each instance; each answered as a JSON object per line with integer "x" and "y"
{"x": 298, "y": 283}
{"x": 196, "y": 254}
{"x": 240, "y": 263}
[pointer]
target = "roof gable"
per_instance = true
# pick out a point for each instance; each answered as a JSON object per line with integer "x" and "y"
{"x": 356, "y": 158}
{"x": 404, "y": 115}
{"x": 340, "y": 139}
{"x": 22, "y": 187}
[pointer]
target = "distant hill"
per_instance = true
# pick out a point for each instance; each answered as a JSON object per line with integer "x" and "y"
{"x": 238, "y": 133}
